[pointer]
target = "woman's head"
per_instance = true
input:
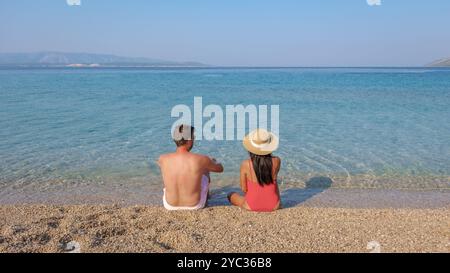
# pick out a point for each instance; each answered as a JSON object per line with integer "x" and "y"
{"x": 260, "y": 142}
{"x": 263, "y": 166}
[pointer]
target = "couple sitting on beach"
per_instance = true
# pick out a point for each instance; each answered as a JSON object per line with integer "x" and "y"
{"x": 186, "y": 175}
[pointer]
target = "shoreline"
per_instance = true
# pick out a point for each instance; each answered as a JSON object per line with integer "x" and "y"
{"x": 106, "y": 228}
{"x": 291, "y": 197}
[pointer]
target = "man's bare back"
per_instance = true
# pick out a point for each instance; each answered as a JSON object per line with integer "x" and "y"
{"x": 182, "y": 172}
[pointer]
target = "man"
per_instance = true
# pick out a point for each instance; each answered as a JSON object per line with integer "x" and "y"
{"x": 185, "y": 174}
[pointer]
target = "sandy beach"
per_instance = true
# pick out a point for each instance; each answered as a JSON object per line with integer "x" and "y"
{"x": 48, "y": 228}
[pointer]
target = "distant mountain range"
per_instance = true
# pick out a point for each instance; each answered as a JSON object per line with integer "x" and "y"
{"x": 59, "y": 59}
{"x": 70, "y": 59}
{"x": 440, "y": 63}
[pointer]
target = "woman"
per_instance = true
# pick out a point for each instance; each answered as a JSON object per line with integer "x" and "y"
{"x": 259, "y": 174}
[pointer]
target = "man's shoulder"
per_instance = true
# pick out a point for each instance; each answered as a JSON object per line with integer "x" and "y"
{"x": 186, "y": 155}
{"x": 200, "y": 156}
{"x": 163, "y": 157}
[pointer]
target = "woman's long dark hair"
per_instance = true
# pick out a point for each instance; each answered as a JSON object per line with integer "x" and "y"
{"x": 262, "y": 164}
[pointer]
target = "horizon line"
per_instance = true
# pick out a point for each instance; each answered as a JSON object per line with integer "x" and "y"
{"x": 225, "y": 66}
{"x": 220, "y": 66}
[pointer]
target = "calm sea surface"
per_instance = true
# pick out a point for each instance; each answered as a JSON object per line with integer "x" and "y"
{"x": 94, "y": 134}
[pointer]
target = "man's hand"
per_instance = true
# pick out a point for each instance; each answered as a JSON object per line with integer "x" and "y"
{"x": 213, "y": 165}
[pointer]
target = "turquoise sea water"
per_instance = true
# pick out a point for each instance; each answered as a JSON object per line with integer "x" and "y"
{"x": 96, "y": 133}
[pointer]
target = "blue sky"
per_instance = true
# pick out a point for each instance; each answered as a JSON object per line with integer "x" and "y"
{"x": 235, "y": 32}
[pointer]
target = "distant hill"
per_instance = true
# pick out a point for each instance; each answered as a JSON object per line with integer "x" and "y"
{"x": 441, "y": 63}
{"x": 58, "y": 59}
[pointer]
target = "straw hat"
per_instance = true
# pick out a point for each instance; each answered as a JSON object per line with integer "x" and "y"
{"x": 260, "y": 142}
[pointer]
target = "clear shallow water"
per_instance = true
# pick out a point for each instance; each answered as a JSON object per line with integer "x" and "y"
{"x": 97, "y": 132}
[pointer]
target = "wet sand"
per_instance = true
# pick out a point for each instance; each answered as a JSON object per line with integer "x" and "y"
{"x": 106, "y": 228}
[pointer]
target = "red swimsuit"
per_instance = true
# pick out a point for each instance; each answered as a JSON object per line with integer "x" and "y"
{"x": 262, "y": 198}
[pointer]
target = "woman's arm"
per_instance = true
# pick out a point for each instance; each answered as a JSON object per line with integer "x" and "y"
{"x": 277, "y": 169}
{"x": 277, "y": 166}
{"x": 243, "y": 176}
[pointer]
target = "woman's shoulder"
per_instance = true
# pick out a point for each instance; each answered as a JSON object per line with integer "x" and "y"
{"x": 276, "y": 161}
{"x": 245, "y": 163}
{"x": 276, "y": 158}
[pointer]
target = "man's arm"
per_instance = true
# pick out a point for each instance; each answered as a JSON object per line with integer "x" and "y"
{"x": 158, "y": 162}
{"x": 213, "y": 166}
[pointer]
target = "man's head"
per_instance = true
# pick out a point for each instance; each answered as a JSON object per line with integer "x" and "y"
{"x": 183, "y": 135}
